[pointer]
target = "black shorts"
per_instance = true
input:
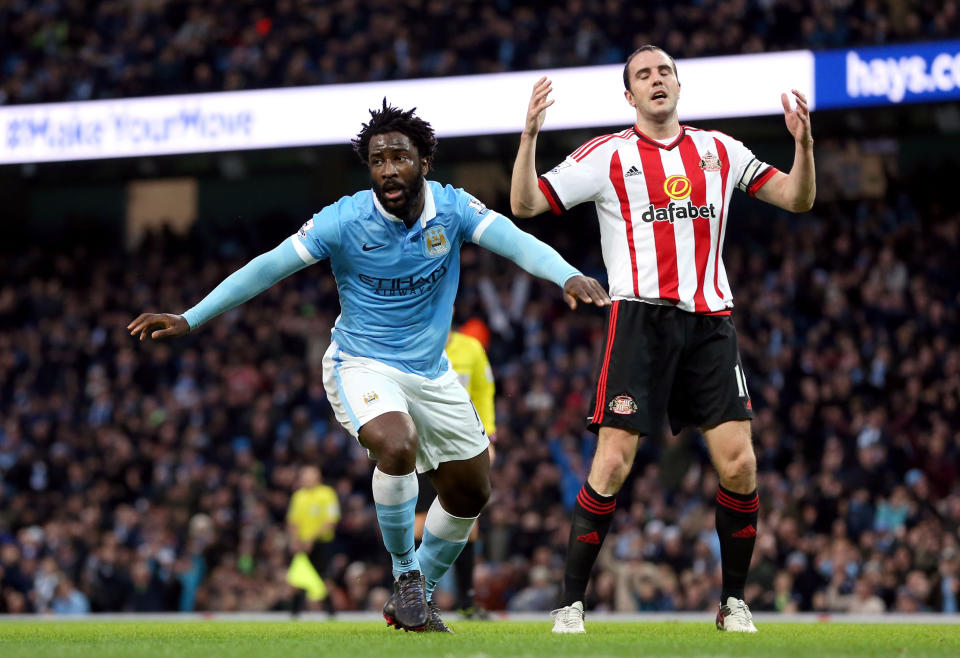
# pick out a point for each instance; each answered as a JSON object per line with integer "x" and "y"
{"x": 660, "y": 361}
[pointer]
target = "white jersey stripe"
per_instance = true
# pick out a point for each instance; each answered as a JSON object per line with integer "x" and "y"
{"x": 693, "y": 166}
{"x": 683, "y": 234}
{"x": 705, "y": 144}
{"x": 618, "y": 181}
{"x": 721, "y": 285}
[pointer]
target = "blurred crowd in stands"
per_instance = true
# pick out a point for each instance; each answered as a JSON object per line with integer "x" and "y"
{"x": 57, "y": 50}
{"x": 156, "y": 476}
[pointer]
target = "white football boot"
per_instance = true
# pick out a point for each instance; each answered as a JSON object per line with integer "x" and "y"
{"x": 735, "y": 616}
{"x": 568, "y": 619}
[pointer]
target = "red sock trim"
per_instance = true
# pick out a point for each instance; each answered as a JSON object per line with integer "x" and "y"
{"x": 744, "y": 503}
{"x": 594, "y": 504}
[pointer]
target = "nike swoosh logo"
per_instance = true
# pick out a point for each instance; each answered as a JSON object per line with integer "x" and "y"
{"x": 371, "y": 247}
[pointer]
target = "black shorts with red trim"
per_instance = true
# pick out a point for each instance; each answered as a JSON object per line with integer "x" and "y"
{"x": 659, "y": 361}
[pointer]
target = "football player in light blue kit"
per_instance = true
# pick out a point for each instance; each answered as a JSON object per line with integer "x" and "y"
{"x": 395, "y": 252}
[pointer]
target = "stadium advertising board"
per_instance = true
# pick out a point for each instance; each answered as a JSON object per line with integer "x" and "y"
{"x": 586, "y": 97}
{"x": 914, "y": 73}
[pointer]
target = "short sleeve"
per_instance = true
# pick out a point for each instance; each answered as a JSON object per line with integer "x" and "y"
{"x": 319, "y": 235}
{"x": 746, "y": 169}
{"x": 333, "y": 509}
{"x": 474, "y": 216}
{"x": 580, "y": 177}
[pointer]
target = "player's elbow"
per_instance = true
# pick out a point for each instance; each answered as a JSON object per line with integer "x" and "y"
{"x": 520, "y": 210}
{"x": 803, "y": 204}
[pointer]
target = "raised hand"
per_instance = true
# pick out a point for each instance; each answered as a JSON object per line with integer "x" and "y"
{"x": 537, "y": 109}
{"x": 159, "y": 325}
{"x": 586, "y": 289}
{"x": 797, "y": 120}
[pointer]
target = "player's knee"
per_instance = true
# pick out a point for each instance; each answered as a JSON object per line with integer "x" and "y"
{"x": 394, "y": 447}
{"x": 466, "y": 499}
{"x": 481, "y": 494}
{"x": 401, "y": 448}
{"x": 741, "y": 470}
{"x": 611, "y": 471}
{"x": 474, "y": 497}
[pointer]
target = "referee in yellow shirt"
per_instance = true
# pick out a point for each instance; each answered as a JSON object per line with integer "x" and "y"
{"x": 312, "y": 521}
{"x": 469, "y": 361}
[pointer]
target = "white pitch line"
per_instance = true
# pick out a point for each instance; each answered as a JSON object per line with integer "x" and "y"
{"x": 622, "y": 617}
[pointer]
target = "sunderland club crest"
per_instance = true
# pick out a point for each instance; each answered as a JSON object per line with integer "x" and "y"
{"x": 623, "y": 405}
{"x": 710, "y": 162}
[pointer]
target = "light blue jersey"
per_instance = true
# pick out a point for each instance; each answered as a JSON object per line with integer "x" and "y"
{"x": 397, "y": 285}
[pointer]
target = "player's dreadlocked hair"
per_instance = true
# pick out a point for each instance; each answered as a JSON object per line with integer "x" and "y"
{"x": 389, "y": 119}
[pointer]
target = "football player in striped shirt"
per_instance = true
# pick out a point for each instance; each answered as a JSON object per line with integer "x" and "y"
{"x": 395, "y": 252}
{"x": 662, "y": 192}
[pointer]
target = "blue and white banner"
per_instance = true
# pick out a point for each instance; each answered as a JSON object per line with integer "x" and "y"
{"x": 915, "y": 73}
{"x": 589, "y": 97}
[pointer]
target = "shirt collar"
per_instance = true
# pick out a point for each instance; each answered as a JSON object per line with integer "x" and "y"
{"x": 429, "y": 206}
{"x": 655, "y": 142}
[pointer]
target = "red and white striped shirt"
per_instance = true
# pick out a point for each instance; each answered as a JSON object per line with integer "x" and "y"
{"x": 662, "y": 210}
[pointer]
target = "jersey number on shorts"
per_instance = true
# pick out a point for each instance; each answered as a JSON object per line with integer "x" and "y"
{"x": 741, "y": 381}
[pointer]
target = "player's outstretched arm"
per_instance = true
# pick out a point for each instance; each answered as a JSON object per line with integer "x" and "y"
{"x": 247, "y": 282}
{"x": 526, "y": 199}
{"x": 502, "y": 236}
{"x": 797, "y": 190}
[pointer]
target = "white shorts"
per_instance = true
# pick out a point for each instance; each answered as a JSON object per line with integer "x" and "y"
{"x": 360, "y": 389}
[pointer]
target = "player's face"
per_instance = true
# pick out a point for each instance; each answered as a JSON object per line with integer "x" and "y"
{"x": 654, "y": 88}
{"x": 397, "y": 172}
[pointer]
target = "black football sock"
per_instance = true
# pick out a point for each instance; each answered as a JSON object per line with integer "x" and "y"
{"x": 592, "y": 515}
{"x": 737, "y": 528}
{"x": 328, "y": 603}
{"x": 463, "y": 569}
{"x": 299, "y": 602}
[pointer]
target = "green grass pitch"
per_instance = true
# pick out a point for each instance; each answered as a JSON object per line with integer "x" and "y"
{"x": 232, "y": 639}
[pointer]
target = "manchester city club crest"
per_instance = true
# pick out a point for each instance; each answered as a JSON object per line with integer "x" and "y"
{"x": 623, "y": 405}
{"x": 435, "y": 241}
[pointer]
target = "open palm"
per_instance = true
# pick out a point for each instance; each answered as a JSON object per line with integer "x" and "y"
{"x": 798, "y": 119}
{"x": 537, "y": 109}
